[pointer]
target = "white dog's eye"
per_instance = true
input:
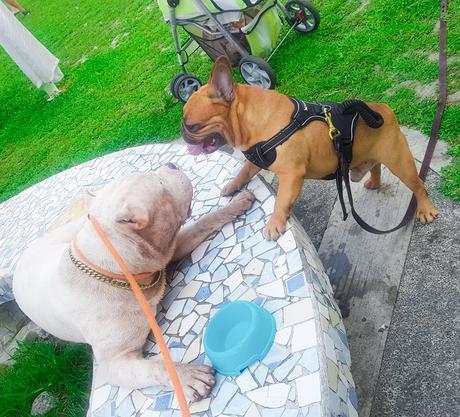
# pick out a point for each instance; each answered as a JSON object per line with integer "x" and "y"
{"x": 126, "y": 221}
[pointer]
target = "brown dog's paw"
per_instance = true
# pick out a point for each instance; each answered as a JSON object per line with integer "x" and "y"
{"x": 197, "y": 380}
{"x": 427, "y": 214}
{"x": 240, "y": 204}
{"x": 229, "y": 189}
{"x": 371, "y": 184}
{"x": 274, "y": 228}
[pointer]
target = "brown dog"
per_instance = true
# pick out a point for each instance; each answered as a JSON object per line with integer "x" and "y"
{"x": 222, "y": 112}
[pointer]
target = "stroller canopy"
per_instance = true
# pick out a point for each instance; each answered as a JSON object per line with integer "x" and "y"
{"x": 188, "y": 9}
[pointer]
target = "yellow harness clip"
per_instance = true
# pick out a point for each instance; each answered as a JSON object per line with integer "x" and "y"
{"x": 333, "y": 131}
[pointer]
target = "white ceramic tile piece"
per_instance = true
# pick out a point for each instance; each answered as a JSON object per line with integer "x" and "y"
{"x": 249, "y": 295}
{"x": 100, "y": 396}
{"x": 296, "y": 373}
{"x": 193, "y": 351}
{"x": 229, "y": 243}
{"x": 150, "y": 413}
{"x": 138, "y": 399}
{"x": 236, "y": 251}
{"x": 174, "y": 327}
{"x": 330, "y": 350}
{"x": 234, "y": 280}
{"x": 246, "y": 382}
{"x": 121, "y": 395}
{"x": 281, "y": 271}
{"x": 323, "y": 310}
{"x": 203, "y": 309}
{"x": 271, "y": 396}
{"x": 190, "y": 290}
{"x": 308, "y": 389}
{"x": 199, "y": 251}
{"x": 287, "y": 241}
{"x": 268, "y": 205}
{"x": 303, "y": 336}
{"x": 282, "y": 336}
{"x": 200, "y": 406}
{"x": 227, "y": 230}
{"x": 217, "y": 296}
{"x": 225, "y": 252}
{"x": 252, "y": 411}
{"x": 175, "y": 309}
{"x": 273, "y": 289}
{"x": 187, "y": 323}
{"x": 260, "y": 374}
{"x": 205, "y": 277}
{"x": 254, "y": 267}
{"x": 298, "y": 312}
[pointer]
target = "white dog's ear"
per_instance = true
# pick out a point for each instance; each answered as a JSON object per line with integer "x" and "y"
{"x": 136, "y": 218}
{"x": 221, "y": 83}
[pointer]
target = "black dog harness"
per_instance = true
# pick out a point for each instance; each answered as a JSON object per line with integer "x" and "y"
{"x": 341, "y": 119}
{"x": 263, "y": 154}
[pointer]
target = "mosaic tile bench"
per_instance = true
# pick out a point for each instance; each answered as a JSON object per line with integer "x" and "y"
{"x": 307, "y": 371}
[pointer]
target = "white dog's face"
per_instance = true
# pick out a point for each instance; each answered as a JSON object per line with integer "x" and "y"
{"x": 153, "y": 205}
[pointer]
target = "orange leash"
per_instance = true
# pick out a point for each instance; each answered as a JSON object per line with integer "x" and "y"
{"x": 150, "y": 318}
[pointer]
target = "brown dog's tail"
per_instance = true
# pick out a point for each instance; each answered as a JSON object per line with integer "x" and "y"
{"x": 372, "y": 118}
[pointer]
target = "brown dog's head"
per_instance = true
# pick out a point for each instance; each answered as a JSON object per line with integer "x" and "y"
{"x": 206, "y": 123}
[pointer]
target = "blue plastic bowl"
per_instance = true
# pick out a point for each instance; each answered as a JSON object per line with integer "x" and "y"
{"x": 237, "y": 336}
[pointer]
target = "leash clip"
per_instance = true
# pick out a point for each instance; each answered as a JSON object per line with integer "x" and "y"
{"x": 333, "y": 131}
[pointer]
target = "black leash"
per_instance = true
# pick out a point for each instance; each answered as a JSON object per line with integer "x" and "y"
{"x": 343, "y": 169}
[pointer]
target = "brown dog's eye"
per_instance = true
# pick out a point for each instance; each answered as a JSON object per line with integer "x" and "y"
{"x": 193, "y": 128}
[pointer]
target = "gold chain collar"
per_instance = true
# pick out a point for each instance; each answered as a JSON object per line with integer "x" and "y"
{"x": 157, "y": 276}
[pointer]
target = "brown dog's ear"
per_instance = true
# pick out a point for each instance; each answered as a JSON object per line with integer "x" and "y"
{"x": 135, "y": 218}
{"x": 221, "y": 83}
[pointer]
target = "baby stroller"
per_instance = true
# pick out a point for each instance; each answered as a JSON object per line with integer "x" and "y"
{"x": 246, "y": 31}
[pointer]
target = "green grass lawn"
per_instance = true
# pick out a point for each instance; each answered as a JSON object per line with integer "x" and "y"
{"x": 118, "y": 60}
{"x": 62, "y": 370}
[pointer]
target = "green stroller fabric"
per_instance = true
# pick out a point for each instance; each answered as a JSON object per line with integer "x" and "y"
{"x": 187, "y": 9}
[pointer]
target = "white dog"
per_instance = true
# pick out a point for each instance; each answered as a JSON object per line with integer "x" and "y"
{"x": 142, "y": 215}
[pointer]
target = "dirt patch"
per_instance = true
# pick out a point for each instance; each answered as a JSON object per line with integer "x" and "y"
{"x": 116, "y": 40}
{"x": 82, "y": 60}
{"x": 362, "y": 6}
{"x": 423, "y": 91}
{"x": 454, "y": 98}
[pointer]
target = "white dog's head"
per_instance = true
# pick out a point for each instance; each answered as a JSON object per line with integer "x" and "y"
{"x": 146, "y": 210}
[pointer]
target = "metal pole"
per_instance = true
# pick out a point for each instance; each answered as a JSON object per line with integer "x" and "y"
{"x": 172, "y": 19}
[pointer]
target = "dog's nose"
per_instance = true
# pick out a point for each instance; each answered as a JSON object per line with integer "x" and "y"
{"x": 170, "y": 165}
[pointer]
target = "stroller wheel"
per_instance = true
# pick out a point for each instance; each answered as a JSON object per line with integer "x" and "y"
{"x": 184, "y": 85}
{"x": 255, "y": 71}
{"x": 303, "y": 15}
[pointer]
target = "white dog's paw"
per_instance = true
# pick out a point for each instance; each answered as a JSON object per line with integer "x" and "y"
{"x": 240, "y": 204}
{"x": 197, "y": 380}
